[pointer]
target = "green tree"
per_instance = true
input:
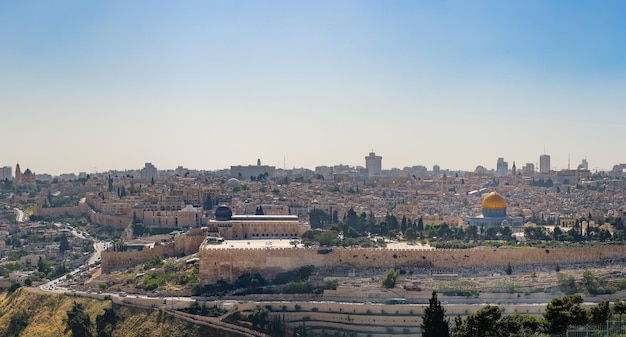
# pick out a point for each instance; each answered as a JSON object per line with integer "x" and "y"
{"x": 619, "y": 308}
{"x": 44, "y": 266}
{"x": 485, "y": 322}
{"x": 561, "y": 312}
{"x": 259, "y": 316}
{"x": 472, "y": 233}
{"x": 78, "y": 321}
{"x": 403, "y": 224}
{"x": 420, "y": 225}
{"x": 588, "y": 277}
{"x": 390, "y": 278}
{"x": 600, "y": 313}
{"x": 509, "y": 269}
{"x": 208, "y": 203}
{"x": 410, "y": 235}
{"x": 328, "y": 238}
{"x": 64, "y": 244}
{"x": 318, "y": 218}
{"x": 105, "y": 323}
{"x": 18, "y": 322}
{"x": 434, "y": 322}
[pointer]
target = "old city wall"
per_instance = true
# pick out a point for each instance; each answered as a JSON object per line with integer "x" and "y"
{"x": 182, "y": 245}
{"x": 228, "y": 264}
{"x": 116, "y": 221}
{"x": 80, "y": 209}
{"x": 84, "y": 209}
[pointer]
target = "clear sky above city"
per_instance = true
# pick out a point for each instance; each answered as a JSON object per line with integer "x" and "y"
{"x": 98, "y": 85}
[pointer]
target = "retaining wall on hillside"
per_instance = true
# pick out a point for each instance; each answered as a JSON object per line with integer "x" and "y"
{"x": 182, "y": 245}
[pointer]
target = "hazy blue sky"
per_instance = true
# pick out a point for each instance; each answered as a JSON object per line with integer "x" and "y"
{"x": 209, "y": 84}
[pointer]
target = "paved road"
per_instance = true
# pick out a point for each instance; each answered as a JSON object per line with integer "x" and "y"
{"x": 19, "y": 215}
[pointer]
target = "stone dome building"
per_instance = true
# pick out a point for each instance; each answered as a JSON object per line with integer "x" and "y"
{"x": 494, "y": 213}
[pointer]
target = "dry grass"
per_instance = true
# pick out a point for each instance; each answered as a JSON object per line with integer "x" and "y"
{"x": 47, "y": 312}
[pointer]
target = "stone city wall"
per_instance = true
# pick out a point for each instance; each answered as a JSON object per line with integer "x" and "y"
{"x": 84, "y": 209}
{"x": 81, "y": 209}
{"x": 182, "y": 245}
{"x": 117, "y": 221}
{"x": 228, "y": 264}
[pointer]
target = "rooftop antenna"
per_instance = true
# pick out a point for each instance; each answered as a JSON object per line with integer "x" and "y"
{"x": 284, "y": 162}
{"x": 568, "y": 168}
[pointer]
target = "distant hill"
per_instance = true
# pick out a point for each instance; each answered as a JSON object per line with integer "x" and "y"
{"x": 40, "y": 314}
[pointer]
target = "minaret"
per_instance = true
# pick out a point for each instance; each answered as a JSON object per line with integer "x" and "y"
{"x": 444, "y": 184}
{"x": 513, "y": 169}
{"x": 18, "y": 174}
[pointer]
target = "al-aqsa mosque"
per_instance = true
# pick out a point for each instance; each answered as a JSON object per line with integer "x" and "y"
{"x": 494, "y": 213}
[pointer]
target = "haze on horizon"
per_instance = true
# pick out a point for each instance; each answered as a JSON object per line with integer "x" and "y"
{"x": 208, "y": 84}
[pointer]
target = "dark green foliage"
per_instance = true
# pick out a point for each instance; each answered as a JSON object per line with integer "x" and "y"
{"x": 318, "y": 218}
{"x": 434, "y": 322}
{"x": 485, "y": 322}
{"x": 390, "y": 278}
{"x": 64, "y": 244}
{"x": 155, "y": 261}
{"x": 105, "y": 323}
{"x": 19, "y": 321}
{"x": 299, "y": 275}
{"x": 78, "y": 321}
{"x": 561, "y": 312}
{"x": 44, "y": 266}
{"x": 13, "y": 287}
{"x": 302, "y": 287}
{"x": 203, "y": 310}
{"x": 599, "y": 313}
{"x": 277, "y": 326}
{"x": 619, "y": 308}
{"x": 259, "y": 316}
{"x": 509, "y": 269}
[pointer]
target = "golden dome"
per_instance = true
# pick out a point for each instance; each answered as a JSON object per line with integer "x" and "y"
{"x": 493, "y": 200}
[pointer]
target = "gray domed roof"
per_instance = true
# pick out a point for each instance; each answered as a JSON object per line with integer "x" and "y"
{"x": 223, "y": 213}
{"x": 189, "y": 208}
{"x": 232, "y": 182}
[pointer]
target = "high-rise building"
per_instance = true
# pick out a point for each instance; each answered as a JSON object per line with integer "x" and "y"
{"x": 373, "y": 164}
{"x": 502, "y": 167}
{"x": 436, "y": 170}
{"x": 544, "y": 163}
{"x": 529, "y": 168}
{"x": 584, "y": 165}
{"x": 149, "y": 172}
{"x": 6, "y": 173}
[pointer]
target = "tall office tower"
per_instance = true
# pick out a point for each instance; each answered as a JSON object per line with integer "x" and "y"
{"x": 6, "y": 173}
{"x": 529, "y": 168}
{"x": 373, "y": 164}
{"x": 149, "y": 172}
{"x": 544, "y": 163}
{"x": 584, "y": 165}
{"x": 436, "y": 170}
{"x": 502, "y": 167}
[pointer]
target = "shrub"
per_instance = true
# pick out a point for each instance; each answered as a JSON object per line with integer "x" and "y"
{"x": 390, "y": 278}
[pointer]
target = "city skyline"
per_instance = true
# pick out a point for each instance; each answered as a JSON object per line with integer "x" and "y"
{"x": 583, "y": 164}
{"x": 97, "y": 86}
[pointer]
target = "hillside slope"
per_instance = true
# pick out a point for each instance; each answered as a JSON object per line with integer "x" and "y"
{"x": 40, "y": 314}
